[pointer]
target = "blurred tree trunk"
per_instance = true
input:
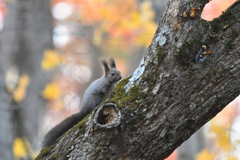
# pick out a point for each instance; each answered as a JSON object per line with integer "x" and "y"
{"x": 159, "y": 7}
{"x": 169, "y": 96}
{"x": 26, "y": 33}
{"x": 189, "y": 149}
{"x": 5, "y": 131}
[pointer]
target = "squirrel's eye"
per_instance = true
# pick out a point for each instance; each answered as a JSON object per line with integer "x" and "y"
{"x": 112, "y": 74}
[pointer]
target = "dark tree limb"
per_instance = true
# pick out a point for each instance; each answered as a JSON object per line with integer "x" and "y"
{"x": 169, "y": 96}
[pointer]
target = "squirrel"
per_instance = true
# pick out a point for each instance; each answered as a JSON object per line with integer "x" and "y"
{"x": 94, "y": 95}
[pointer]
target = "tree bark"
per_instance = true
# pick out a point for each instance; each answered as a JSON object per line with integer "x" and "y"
{"x": 169, "y": 96}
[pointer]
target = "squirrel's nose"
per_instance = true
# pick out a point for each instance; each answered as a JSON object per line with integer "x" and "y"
{"x": 120, "y": 78}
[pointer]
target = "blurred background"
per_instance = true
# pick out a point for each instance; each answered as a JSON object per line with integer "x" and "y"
{"x": 49, "y": 54}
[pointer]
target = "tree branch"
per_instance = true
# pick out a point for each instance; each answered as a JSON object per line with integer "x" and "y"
{"x": 170, "y": 95}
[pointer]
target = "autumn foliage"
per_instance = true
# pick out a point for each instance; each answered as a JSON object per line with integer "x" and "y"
{"x": 119, "y": 27}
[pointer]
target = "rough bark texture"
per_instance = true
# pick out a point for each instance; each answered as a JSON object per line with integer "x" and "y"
{"x": 169, "y": 96}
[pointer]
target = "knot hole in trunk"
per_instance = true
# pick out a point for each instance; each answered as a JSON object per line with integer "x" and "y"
{"x": 108, "y": 115}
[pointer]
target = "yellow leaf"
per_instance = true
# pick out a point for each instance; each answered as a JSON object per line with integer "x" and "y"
{"x": 205, "y": 155}
{"x": 51, "y": 91}
{"x": 232, "y": 158}
{"x": 97, "y": 37}
{"x": 222, "y": 135}
{"x": 148, "y": 26}
{"x": 135, "y": 18}
{"x": 19, "y": 149}
{"x": 224, "y": 141}
{"x": 147, "y": 34}
{"x": 147, "y": 13}
{"x": 104, "y": 12}
{"x": 50, "y": 59}
{"x": 20, "y": 92}
{"x": 216, "y": 128}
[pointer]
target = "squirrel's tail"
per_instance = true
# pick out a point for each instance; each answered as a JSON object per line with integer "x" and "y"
{"x": 51, "y": 137}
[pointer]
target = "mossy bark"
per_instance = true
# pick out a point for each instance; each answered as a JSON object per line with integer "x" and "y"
{"x": 171, "y": 94}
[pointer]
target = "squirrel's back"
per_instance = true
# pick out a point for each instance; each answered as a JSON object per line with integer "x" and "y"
{"x": 92, "y": 97}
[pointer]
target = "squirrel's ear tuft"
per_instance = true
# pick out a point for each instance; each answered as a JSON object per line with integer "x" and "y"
{"x": 105, "y": 65}
{"x": 112, "y": 63}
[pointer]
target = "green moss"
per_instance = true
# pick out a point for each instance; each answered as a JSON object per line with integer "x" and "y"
{"x": 133, "y": 102}
{"x": 122, "y": 98}
{"x": 80, "y": 124}
{"x": 55, "y": 156}
{"x": 136, "y": 101}
{"x": 234, "y": 34}
{"x": 227, "y": 15}
{"x": 187, "y": 52}
{"x": 215, "y": 25}
{"x": 229, "y": 44}
{"x": 160, "y": 54}
{"x": 183, "y": 55}
{"x": 230, "y": 40}
{"x": 120, "y": 92}
{"x": 150, "y": 79}
{"x": 205, "y": 23}
{"x": 227, "y": 18}
{"x": 120, "y": 86}
{"x": 44, "y": 152}
{"x": 132, "y": 95}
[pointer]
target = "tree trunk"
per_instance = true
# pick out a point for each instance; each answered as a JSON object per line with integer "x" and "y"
{"x": 169, "y": 96}
{"x": 6, "y": 138}
{"x": 26, "y": 33}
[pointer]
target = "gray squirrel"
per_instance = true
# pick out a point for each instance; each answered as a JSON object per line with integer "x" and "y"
{"x": 95, "y": 93}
